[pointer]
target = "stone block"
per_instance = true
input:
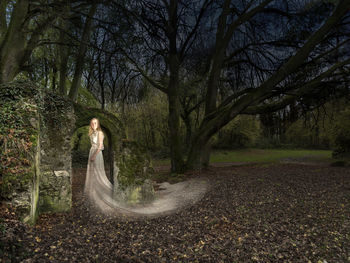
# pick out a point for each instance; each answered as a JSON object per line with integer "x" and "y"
{"x": 132, "y": 172}
{"x": 55, "y": 191}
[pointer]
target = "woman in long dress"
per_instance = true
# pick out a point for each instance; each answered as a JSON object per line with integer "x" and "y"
{"x": 98, "y": 189}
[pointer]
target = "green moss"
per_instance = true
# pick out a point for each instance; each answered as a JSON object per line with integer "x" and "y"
{"x": 86, "y": 98}
{"x": 134, "y": 196}
{"x": 80, "y": 140}
{"x": 134, "y": 165}
{"x": 34, "y": 140}
{"x": 35, "y": 186}
{"x": 18, "y": 137}
{"x": 48, "y": 204}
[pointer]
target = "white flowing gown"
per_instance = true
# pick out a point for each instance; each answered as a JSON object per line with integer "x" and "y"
{"x": 98, "y": 189}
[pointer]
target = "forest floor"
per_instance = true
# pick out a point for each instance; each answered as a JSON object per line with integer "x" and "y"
{"x": 278, "y": 212}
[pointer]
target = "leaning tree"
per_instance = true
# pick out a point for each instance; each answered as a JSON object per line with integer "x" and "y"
{"x": 265, "y": 54}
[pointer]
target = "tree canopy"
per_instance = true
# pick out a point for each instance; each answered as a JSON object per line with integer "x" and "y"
{"x": 213, "y": 59}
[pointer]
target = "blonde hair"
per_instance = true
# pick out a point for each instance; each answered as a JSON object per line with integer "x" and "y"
{"x": 91, "y": 130}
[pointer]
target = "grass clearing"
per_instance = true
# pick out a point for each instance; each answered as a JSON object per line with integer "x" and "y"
{"x": 261, "y": 155}
{"x": 268, "y": 155}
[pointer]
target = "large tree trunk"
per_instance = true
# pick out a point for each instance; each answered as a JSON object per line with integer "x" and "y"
{"x": 177, "y": 163}
{"x": 73, "y": 93}
{"x": 211, "y": 98}
{"x": 218, "y": 56}
{"x": 198, "y": 145}
{"x": 174, "y": 118}
{"x": 63, "y": 54}
{"x": 18, "y": 41}
{"x": 188, "y": 123}
{"x": 12, "y": 45}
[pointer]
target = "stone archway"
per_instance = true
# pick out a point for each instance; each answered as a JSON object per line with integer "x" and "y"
{"x": 52, "y": 120}
{"x": 109, "y": 123}
{"x": 129, "y": 165}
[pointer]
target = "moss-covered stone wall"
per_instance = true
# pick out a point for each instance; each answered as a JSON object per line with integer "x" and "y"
{"x": 133, "y": 168}
{"x": 56, "y": 129}
{"x": 20, "y": 146}
{"x": 35, "y": 131}
{"x": 36, "y": 128}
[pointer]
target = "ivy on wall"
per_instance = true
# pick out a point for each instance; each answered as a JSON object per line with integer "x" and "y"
{"x": 23, "y": 104}
{"x": 18, "y": 135}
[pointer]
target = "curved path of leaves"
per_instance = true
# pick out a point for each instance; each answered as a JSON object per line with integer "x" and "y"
{"x": 260, "y": 213}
